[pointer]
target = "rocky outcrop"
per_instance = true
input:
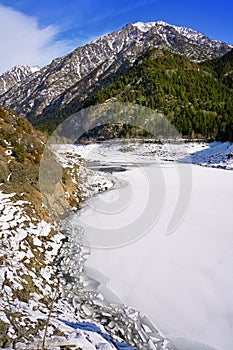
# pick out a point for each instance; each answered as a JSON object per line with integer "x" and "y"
{"x": 15, "y": 75}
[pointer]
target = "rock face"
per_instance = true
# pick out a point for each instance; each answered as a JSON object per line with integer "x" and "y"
{"x": 15, "y": 75}
{"x": 80, "y": 71}
{"x": 21, "y": 148}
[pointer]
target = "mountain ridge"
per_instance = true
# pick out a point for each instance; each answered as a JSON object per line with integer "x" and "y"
{"x": 61, "y": 80}
{"x": 15, "y": 75}
{"x": 186, "y": 31}
{"x": 195, "y": 97}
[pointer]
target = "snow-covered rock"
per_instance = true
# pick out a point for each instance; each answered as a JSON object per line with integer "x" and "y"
{"x": 15, "y": 75}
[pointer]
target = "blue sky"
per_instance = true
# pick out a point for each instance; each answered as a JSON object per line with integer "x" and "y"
{"x": 58, "y": 26}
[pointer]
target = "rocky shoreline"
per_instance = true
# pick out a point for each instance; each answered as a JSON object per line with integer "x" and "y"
{"x": 58, "y": 286}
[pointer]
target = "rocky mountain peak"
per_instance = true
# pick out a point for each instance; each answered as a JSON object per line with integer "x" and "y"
{"x": 15, "y": 75}
{"x": 83, "y": 70}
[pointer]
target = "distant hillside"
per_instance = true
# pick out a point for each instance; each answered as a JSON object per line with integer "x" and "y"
{"x": 195, "y": 97}
{"x": 223, "y": 66}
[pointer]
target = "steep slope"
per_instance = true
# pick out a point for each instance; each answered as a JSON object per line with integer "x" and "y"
{"x": 29, "y": 242}
{"x": 21, "y": 147}
{"x": 15, "y": 75}
{"x": 23, "y": 222}
{"x": 223, "y": 67}
{"x": 201, "y": 47}
{"x": 78, "y": 73}
{"x": 193, "y": 96}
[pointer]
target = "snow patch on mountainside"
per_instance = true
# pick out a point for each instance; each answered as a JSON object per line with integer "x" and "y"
{"x": 15, "y": 75}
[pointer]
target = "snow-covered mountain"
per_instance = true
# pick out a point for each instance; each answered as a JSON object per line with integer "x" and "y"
{"x": 15, "y": 75}
{"x": 83, "y": 69}
{"x": 189, "y": 33}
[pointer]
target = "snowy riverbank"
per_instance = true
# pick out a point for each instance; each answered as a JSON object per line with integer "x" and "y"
{"x": 214, "y": 154}
{"x": 182, "y": 282}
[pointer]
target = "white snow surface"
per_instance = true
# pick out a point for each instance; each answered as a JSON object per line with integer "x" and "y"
{"x": 182, "y": 281}
{"x": 79, "y": 339}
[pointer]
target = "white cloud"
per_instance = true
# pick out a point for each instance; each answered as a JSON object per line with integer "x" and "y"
{"x": 22, "y": 41}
